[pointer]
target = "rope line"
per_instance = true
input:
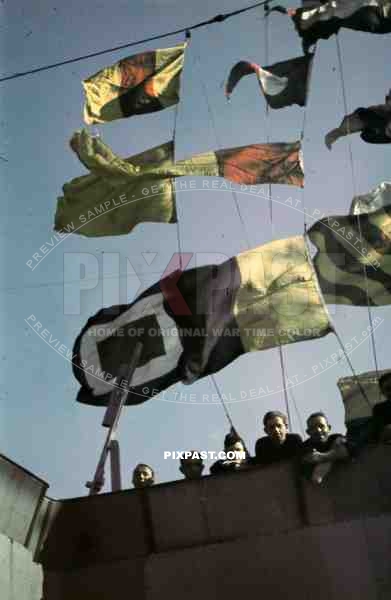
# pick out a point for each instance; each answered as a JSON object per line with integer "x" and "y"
{"x": 218, "y": 142}
{"x": 217, "y": 19}
{"x": 300, "y": 420}
{"x": 197, "y": 63}
{"x": 351, "y": 367}
{"x": 266, "y": 36}
{"x": 102, "y": 277}
{"x": 284, "y": 378}
{"x": 358, "y": 220}
{"x": 178, "y": 232}
{"x": 280, "y": 352}
{"x": 303, "y": 125}
{"x": 345, "y": 103}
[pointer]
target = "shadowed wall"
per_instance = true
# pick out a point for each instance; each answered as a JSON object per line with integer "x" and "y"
{"x": 266, "y": 531}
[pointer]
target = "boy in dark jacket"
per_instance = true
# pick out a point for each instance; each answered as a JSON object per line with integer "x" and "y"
{"x": 321, "y": 449}
{"x": 278, "y": 444}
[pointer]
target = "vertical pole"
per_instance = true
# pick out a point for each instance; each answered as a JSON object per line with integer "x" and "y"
{"x": 115, "y": 466}
{"x": 112, "y": 416}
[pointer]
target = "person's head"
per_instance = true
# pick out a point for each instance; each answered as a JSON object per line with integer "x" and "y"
{"x": 275, "y": 425}
{"x": 385, "y": 385}
{"x": 192, "y": 466}
{"x": 143, "y": 476}
{"x": 318, "y": 427}
{"x": 388, "y": 97}
{"x": 234, "y": 443}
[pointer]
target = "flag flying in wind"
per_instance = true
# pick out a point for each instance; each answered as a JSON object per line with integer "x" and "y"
{"x": 373, "y": 201}
{"x": 373, "y": 16}
{"x": 119, "y": 193}
{"x": 353, "y": 262}
{"x": 259, "y": 163}
{"x": 136, "y": 85}
{"x": 360, "y": 394}
{"x": 283, "y": 84}
{"x": 196, "y": 322}
{"x": 374, "y": 123}
{"x": 111, "y": 199}
{"x": 359, "y": 405}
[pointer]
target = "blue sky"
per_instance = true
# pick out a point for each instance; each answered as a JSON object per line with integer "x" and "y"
{"x": 42, "y": 426}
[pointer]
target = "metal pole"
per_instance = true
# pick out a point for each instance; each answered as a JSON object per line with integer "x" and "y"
{"x": 112, "y": 416}
{"x": 115, "y": 466}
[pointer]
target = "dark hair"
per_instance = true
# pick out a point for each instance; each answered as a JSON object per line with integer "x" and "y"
{"x": 232, "y": 438}
{"x": 383, "y": 379}
{"x": 274, "y": 413}
{"x": 317, "y": 414}
{"x": 183, "y": 461}
{"x": 143, "y": 466}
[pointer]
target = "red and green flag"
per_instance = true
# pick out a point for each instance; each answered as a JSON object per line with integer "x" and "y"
{"x": 118, "y": 193}
{"x": 136, "y": 85}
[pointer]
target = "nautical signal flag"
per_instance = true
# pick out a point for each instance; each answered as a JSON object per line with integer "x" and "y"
{"x": 283, "y": 84}
{"x": 196, "y": 322}
{"x": 119, "y": 193}
{"x": 373, "y": 201}
{"x": 251, "y": 165}
{"x": 353, "y": 262}
{"x": 136, "y": 85}
{"x": 360, "y": 394}
{"x": 373, "y": 16}
{"x": 374, "y": 123}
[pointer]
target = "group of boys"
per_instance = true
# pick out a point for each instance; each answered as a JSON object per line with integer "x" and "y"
{"x": 316, "y": 454}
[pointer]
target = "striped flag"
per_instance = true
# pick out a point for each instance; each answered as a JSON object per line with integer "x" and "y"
{"x": 196, "y": 322}
{"x": 136, "y": 85}
{"x": 119, "y": 193}
{"x": 354, "y": 257}
{"x": 283, "y": 84}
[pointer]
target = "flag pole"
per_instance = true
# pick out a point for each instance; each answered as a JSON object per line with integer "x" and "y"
{"x": 230, "y": 421}
{"x": 111, "y": 419}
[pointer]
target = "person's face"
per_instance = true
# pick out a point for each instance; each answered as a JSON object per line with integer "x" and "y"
{"x": 192, "y": 469}
{"x": 236, "y": 447}
{"x": 142, "y": 477}
{"x": 276, "y": 429}
{"x": 318, "y": 429}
